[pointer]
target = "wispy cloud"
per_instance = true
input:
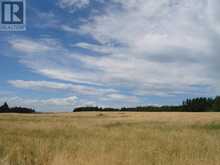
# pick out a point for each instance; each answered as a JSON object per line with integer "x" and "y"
{"x": 30, "y": 46}
{"x": 134, "y": 48}
{"x": 52, "y": 104}
{"x": 67, "y": 87}
{"x": 102, "y": 94}
{"x": 106, "y": 49}
{"x": 73, "y": 4}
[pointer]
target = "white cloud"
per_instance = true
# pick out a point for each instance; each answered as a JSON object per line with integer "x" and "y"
{"x": 51, "y": 104}
{"x": 97, "y": 48}
{"x": 105, "y": 95}
{"x": 158, "y": 25}
{"x": 67, "y": 28}
{"x": 28, "y": 46}
{"x": 214, "y": 14}
{"x": 163, "y": 42}
{"x": 70, "y": 75}
{"x": 73, "y": 4}
{"x": 31, "y": 46}
{"x": 164, "y": 48}
{"x": 120, "y": 98}
{"x": 67, "y": 87}
{"x": 69, "y": 101}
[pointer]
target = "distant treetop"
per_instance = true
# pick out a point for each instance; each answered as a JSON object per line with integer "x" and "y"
{"x": 201, "y": 104}
{"x": 6, "y": 109}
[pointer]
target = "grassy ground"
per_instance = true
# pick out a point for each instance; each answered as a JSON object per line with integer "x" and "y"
{"x": 110, "y": 139}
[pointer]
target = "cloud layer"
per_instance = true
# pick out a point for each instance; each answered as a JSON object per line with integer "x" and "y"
{"x": 137, "y": 49}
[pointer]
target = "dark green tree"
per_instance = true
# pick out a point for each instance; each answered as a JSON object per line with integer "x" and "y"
{"x": 4, "y": 108}
{"x": 216, "y": 104}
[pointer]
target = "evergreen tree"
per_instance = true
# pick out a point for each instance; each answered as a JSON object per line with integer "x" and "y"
{"x": 216, "y": 104}
{"x": 4, "y": 108}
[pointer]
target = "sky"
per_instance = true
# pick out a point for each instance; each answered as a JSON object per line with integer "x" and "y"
{"x": 111, "y": 53}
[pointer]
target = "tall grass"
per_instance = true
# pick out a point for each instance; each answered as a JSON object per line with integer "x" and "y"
{"x": 110, "y": 139}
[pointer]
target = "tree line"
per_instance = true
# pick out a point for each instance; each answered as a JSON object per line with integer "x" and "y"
{"x": 201, "y": 104}
{"x": 6, "y": 109}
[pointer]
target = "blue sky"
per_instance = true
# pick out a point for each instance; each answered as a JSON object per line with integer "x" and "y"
{"x": 111, "y": 53}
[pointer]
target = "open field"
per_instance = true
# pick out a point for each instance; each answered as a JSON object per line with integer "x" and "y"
{"x": 110, "y": 139}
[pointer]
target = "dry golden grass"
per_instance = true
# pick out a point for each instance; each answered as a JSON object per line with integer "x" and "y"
{"x": 110, "y": 139}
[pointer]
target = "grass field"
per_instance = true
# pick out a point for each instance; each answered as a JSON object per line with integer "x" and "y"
{"x": 110, "y": 139}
